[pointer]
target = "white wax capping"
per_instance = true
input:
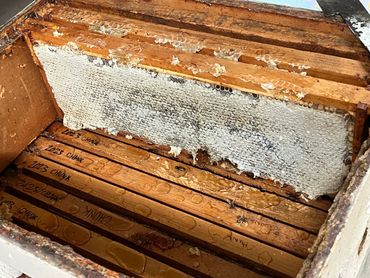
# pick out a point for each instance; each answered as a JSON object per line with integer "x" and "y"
{"x": 287, "y": 142}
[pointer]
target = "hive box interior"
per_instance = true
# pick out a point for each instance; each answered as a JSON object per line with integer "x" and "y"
{"x": 182, "y": 143}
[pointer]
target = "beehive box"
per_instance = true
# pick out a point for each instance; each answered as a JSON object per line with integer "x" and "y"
{"x": 184, "y": 138}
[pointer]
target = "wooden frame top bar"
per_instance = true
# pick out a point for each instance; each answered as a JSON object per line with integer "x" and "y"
{"x": 282, "y": 85}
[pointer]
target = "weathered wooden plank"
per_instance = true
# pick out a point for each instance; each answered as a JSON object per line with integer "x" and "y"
{"x": 120, "y": 256}
{"x": 238, "y": 194}
{"x": 21, "y": 92}
{"x": 248, "y": 223}
{"x": 158, "y": 245}
{"x": 233, "y": 22}
{"x": 310, "y": 63}
{"x": 222, "y": 72}
{"x": 285, "y": 15}
{"x": 222, "y": 168}
{"x": 220, "y": 239}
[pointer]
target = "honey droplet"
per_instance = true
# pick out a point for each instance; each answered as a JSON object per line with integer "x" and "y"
{"x": 264, "y": 258}
{"x": 196, "y": 264}
{"x": 217, "y": 235}
{"x": 266, "y": 229}
{"x": 302, "y": 235}
{"x": 138, "y": 155}
{"x": 184, "y": 223}
{"x": 76, "y": 235}
{"x": 121, "y": 225}
{"x": 197, "y": 199}
{"x": 179, "y": 198}
{"x": 73, "y": 209}
{"x": 48, "y": 223}
{"x": 112, "y": 169}
{"x": 127, "y": 258}
{"x": 163, "y": 187}
{"x": 143, "y": 210}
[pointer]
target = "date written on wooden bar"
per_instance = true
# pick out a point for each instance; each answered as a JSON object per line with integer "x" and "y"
{"x": 268, "y": 204}
{"x": 243, "y": 221}
{"x": 192, "y": 259}
{"x": 122, "y": 257}
{"x": 220, "y": 239}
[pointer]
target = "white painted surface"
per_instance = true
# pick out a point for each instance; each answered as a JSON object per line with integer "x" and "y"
{"x": 346, "y": 258}
{"x": 363, "y": 30}
{"x": 28, "y": 263}
{"x": 8, "y": 272}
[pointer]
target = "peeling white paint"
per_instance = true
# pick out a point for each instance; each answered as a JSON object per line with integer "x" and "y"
{"x": 260, "y": 135}
{"x": 363, "y": 29}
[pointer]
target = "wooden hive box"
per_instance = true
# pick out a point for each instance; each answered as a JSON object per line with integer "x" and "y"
{"x": 202, "y": 138}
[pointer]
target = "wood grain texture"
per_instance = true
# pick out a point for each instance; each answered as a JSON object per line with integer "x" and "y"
{"x": 203, "y": 233}
{"x": 310, "y": 63}
{"x": 282, "y": 85}
{"x": 153, "y": 243}
{"x": 240, "y": 23}
{"x": 120, "y": 256}
{"x": 26, "y": 108}
{"x": 190, "y": 201}
{"x": 267, "y": 204}
{"x": 222, "y": 168}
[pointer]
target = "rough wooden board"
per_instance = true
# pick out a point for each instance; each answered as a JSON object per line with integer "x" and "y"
{"x": 252, "y": 199}
{"x": 285, "y": 15}
{"x": 127, "y": 259}
{"x": 304, "y": 62}
{"x": 158, "y": 245}
{"x": 233, "y": 22}
{"x": 223, "y": 241}
{"x": 59, "y": 112}
{"x": 222, "y": 168}
{"x": 243, "y": 221}
{"x": 251, "y": 78}
{"x": 25, "y": 106}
